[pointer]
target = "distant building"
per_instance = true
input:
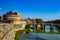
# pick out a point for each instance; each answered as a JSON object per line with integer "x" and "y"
{"x": 11, "y": 17}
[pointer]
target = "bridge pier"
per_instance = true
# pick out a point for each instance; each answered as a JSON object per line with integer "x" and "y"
{"x": 42, "y": 28}
{"x": 59, "y": 28}
{"x": 59, "y": 31}
{"x": 51, "y": 28}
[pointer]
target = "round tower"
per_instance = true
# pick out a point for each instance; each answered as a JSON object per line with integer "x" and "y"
{"x": 11, "y": 17}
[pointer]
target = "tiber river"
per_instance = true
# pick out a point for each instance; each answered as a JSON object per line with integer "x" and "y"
{"x": 42, "y": 36}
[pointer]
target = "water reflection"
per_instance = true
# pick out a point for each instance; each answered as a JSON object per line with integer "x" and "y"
{"x": 40, "y": 36}
{"x": 31, "y": 36}
{"x": 55, "y": 29}
{"x": 47, "y": 28}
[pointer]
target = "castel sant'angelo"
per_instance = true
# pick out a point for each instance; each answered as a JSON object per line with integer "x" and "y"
{"x": 11, "y": 17}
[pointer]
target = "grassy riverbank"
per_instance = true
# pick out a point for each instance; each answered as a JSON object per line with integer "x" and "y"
{"x": 18, "y": 33}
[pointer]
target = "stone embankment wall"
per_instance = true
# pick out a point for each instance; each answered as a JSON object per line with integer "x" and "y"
{"x": 7, "y": 31}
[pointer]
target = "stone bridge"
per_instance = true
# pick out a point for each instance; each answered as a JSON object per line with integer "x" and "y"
{"x": 51, "y": 25}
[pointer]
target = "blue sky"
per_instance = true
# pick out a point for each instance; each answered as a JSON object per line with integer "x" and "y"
{"x": 45, "y": 9}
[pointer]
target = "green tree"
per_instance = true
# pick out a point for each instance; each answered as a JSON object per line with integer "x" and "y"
{"x": 39, "y": 21}
{"x": 31, "y": 19}
{"x": 27, "y": 28}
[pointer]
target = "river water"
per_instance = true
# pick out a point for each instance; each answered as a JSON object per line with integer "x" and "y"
{"x": 42, "y": 36}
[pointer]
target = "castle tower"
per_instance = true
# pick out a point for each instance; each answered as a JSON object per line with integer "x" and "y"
{"x": 11, "y": 17}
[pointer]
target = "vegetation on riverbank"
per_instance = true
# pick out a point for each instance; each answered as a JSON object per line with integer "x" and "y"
{"x": 18, "y": 33}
